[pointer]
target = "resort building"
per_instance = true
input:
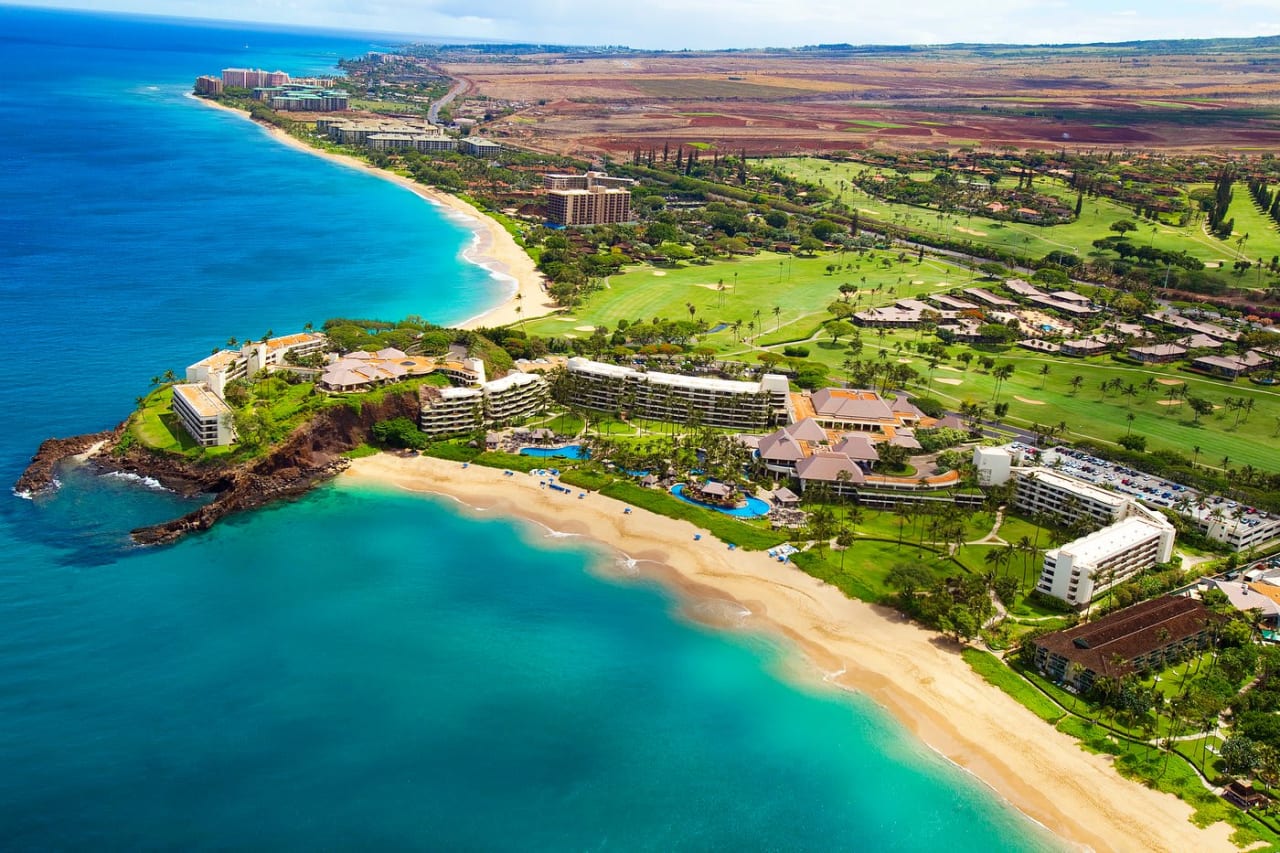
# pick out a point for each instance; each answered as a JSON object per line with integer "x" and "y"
{"x": 362, "y": 371}
{"x": 207, "y": 85}
{"x": 252, "y": 78}
{"x": 514, "y": 396}
{"x": 1179, "y": 323}
{"x": 990, "y": 299}
{"x": 203, "y": 414}
{"x": 1143, "y": 638}
{"x": 590, "y": 199}
{"x": 1232, "y": 366}
{"x": 846, "y": 409}
{"x": 1157, "y": 353}
{"x": 1039, "y": 490}
{"x": 224, "y": 366}
{"x": 386, "y": 135}
{"x": 673, "y": 397}
{"x": 1092, "y": 564}
{"x": 450, "y": 411}
{"x": 479, "y": 147}
{"x": 840, "y": 474}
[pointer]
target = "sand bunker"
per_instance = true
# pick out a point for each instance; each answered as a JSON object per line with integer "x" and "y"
{"x": 584, "y": 328}
{"x": 1028, "y": 401}
{"x": 659, "y": 273}
{"x": 972, "y": 231}
{"x": 1171, "y": 382}
{"x": 950, "y": 367}
{"x": 1168, "y": 402}
{"x": 904, "y": 361}
{"x": 918, "y": 281}
{"x": 946, "y": 381}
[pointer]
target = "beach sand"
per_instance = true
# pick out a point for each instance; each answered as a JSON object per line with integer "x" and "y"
{"x": 493, "y": 248}
{"x": 912, "y": 672}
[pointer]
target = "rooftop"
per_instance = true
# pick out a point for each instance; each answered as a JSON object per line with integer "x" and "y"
{"x": 201, "y": 400}
{"x": 1129, "y": 633}
{"x": 1110, "y": 540}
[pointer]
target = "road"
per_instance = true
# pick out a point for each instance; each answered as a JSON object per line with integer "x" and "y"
{"x": 458, "y": 88}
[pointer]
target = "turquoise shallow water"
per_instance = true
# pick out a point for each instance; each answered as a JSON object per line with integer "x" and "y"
{"x": 358, "y": 668}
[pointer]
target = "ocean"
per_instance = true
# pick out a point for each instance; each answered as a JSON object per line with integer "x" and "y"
{"x": 359, "y": 668}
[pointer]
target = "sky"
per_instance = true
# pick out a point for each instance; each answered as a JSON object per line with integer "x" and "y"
{"x": 709, "y": 24}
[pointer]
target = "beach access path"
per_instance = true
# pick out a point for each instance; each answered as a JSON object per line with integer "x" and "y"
{"x": 494, "y": 248}
{"x": 914, "y": 673}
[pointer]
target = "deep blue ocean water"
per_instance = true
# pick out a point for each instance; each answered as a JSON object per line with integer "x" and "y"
{"x": 357, "y": 669}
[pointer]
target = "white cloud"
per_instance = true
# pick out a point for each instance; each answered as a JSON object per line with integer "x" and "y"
{"x": 700, "y": 24}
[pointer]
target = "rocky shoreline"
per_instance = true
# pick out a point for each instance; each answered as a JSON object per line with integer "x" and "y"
{"x": 310, "y": 455}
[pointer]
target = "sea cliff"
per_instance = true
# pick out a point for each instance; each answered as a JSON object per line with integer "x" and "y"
{"x": 311, "y": 454}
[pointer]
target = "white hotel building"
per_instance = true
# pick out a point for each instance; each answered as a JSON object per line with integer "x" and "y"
{"x": 1092, "y": 564}
{"x": 203, "y": 414}
{"x": 450, "y": 411}
{"x": 673, "y": 397}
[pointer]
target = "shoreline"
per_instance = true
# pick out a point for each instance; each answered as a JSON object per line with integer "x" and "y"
{"x": 491, "y": 247}
{"x": 909, "y": 671}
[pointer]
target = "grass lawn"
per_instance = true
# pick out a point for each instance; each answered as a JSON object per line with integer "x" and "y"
{"x": 1096, "y": 218}
{"x": 158, "y": 428}
{"x": 799, "y": 287}
{"x": 994, "y": 671}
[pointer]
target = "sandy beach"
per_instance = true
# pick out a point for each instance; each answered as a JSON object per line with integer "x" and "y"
{"x": 917, "y": 676}
{"x": 493, "y": 248}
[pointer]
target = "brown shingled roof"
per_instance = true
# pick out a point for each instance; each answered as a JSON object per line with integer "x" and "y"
{"x": 1129, "y": 633}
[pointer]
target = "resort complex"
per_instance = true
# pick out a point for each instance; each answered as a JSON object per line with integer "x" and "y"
{"x": 590, "y": 199}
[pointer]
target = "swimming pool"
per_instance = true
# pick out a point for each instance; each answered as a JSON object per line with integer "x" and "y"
{"x": 569, "y": 451}
{"x": 754, "y": 508}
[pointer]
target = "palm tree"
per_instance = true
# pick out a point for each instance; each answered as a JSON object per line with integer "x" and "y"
{"x": 1076, "y": 382}
{"x": 777, "y": 314}
{"x": 1044, "y": 374}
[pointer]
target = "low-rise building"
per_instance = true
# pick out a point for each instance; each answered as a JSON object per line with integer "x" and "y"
{"x": 1232, "y": 366}
{"x": 1157, "y": 353}
{"x": 1142, "y": 638}
{"x": 203, "y": 414}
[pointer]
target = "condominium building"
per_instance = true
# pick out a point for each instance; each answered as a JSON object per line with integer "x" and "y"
{"x": 673, "y": 397}
{"x": 1080, "y": 570}
{"x": 1040, "y": 490}
{"x": 450, "y": 411}
{"x": 1141, "y": 638}
{"x": 252, "y": 78}
{"x": 384, "y": 135}
{"x": 514, "y": 396}
{"x": 207, "y": 85}
{"x": 590, "y": 199}
{"x": 480, "y": 147}
{"x": 225, "y": 365}
{"x": 203, "y": 414}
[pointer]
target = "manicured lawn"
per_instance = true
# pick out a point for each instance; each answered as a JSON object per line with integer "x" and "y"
{"x": 1096, "y": 218}
{"x": 860, "y": 571}
{"x": 799, "y": 287}
{"x": 994, "y": 671}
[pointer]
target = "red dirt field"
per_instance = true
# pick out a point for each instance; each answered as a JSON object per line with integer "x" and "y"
{"x": 1083, "y": 98}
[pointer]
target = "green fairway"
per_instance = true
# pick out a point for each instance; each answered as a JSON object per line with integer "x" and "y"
{"x": 1088, "y": 412}
{"x": 799, "y": 287}
{"x": 1096, "y": 218}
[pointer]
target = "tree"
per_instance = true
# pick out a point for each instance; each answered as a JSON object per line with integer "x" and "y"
{"x": 908, "y": 579}
{"x": 1239, "y": 755}
{"x": 1123, "y": 227}
{"x": 1200, "y": 407}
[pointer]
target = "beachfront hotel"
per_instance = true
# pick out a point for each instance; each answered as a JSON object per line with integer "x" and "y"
{"x": 386, "y": 134}
{"x": 1143, "y": 638}
{"x": 673, "y": 397}
{"x": 1041, "y": 491}
{"x": 224, "y": 366}
{"x": 453, "y": 411}
{"x": 203, "y": 414}
{"x": 590, "y": 199}
{"x": 252, "y": 78}
{"x": 1079, "y": 571}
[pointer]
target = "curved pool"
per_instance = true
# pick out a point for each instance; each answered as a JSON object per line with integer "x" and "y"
{"x": 755, "y": 507}
{"x": 569, "y": 451}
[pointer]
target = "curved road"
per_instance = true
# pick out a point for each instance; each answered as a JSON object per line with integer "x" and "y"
{"x": 458, "y": 88}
